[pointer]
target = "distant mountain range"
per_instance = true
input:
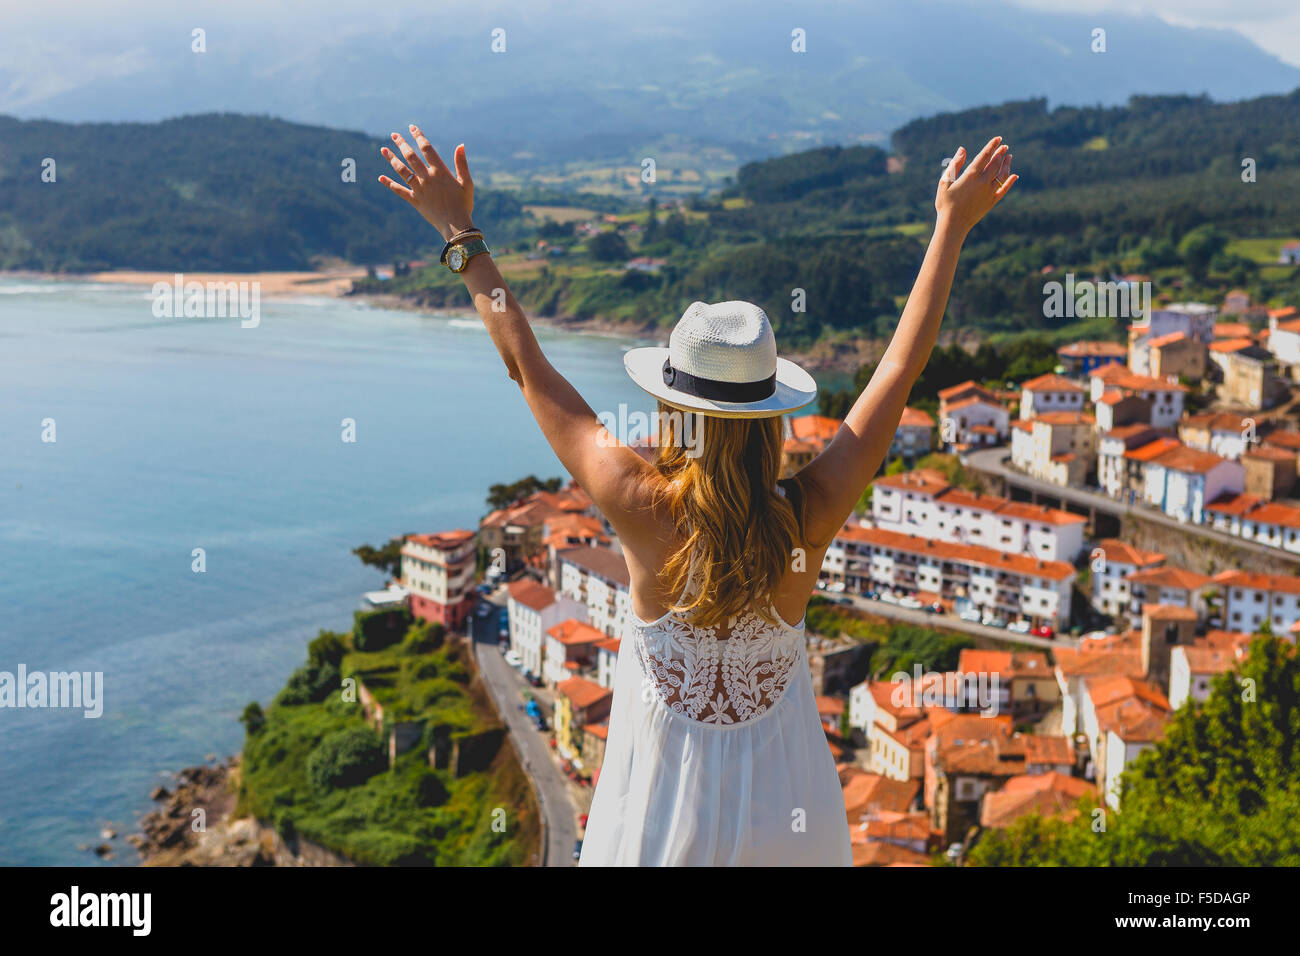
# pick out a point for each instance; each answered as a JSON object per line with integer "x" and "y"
{"x": 588, "y": 82}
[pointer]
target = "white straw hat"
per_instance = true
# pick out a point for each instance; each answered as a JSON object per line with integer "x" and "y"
{"x": 721, "y": 360}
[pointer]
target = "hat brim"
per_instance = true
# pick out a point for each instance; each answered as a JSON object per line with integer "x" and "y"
{"x": 795, "y": 388}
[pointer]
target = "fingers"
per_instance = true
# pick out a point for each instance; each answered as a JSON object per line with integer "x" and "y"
{"x": 991, "y": 169}
{"x": 462, "y": 167}
{"x": 398, "y": 167}
{"x": 953, "y": 169}
{"x": 413, "y": 161}
{"x": 977, "y": 166}
{"x": 400, "y": 190}
{"x": 1006, "y": 186}
{"x": 430, "y": 154}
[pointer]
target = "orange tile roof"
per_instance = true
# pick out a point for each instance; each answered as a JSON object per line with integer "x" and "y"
{"x": 532, "y": 594}
{"x": 814, "y": 428}
{"x": 864, "y": 791}
{"x": 1153, "y": 449}
{"x": 972, "y": 400}
{"x": 582, "y": 692}
{"x": 1231, "y": 330}
{"x": 1048, "y": 749}
{"x": 1121, "y": 376}
{"x": 1234, "y": 504}
{"x": 442, "y": 540}
{"x": 571, "y": 632}
{"x": 968, "y": 553}
{"x": 1282, "y": 314}
{"x": 1047, "y": 794}
{"x": 1169, "y": 577}
{"x": 597, "y": 730}
{"x": 1168, "y": 612}
{"x": 1082, "y": 349}
{"x": 1118, "y": 654}
{"x": 925, "y": 480}
{"x": 1272, "y": 512}
{"x": 610, "y": 645}
{"x": 1231, "y": 345}
{"x": 1271, "y": 453}
{"x": 1215, "y": 422}
{"x": 1120, "y": 552}
{"x": 1189, "y": 460}
{"x": 915, "y": 418}
{"x": 1051, "y": 382}
{"x": 1161, "y": 341}
{"x": 1008, "y": 665}
{"x": 1278, "y": 583}
{"x": 968, "y": 385}
{"x": 1064, "y": 418}
{"x": 1283, "y": 438}
{"x": 1134, "y": 710}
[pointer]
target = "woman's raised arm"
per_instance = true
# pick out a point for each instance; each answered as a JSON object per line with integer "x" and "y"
{"x": 835, "y": 479}
{"x": 605, "y": 470}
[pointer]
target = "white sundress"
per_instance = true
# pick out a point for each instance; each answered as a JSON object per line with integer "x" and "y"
{"x": 716, "y": 754}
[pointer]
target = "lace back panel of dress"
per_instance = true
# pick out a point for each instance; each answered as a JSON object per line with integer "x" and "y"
{"x": 718, "y": 680}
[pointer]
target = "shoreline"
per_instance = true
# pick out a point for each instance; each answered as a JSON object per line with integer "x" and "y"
{"x": 843, "y": 356}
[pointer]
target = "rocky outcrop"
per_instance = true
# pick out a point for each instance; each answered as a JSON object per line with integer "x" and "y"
{"x": 194, "y": 827}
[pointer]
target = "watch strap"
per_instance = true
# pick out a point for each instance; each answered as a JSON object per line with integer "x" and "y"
{"x": 455, "y": 239}
{"x": 472, "y": 247}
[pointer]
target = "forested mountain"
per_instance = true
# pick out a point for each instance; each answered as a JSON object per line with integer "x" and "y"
{"x": 200, "y": 192}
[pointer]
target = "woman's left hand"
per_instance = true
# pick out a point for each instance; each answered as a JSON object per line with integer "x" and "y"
{"x": 444, "y": 198}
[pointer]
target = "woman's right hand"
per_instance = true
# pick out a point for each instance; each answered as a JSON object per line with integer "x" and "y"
{"x": 444, "y": 198}
{"x": 964, "y": 198}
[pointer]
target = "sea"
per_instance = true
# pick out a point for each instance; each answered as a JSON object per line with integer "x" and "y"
{"x": 179, "y": 503}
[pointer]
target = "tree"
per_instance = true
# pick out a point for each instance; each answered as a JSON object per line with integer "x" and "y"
{"x": 608, "y": 246}
{"x": 1221, "y": 788}
{"x": 502, "y": 496}
{"x": 253, "y": 718}
{"x": 651, "y": 231}
{"x": 1199, "y": 247}
{"x": 387, "y": 558}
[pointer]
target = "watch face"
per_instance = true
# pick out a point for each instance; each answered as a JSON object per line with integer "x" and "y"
{"x": 456, "y": 259}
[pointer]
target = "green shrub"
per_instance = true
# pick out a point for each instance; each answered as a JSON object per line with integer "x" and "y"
{"x": 253, "y": 718}
{"x": 345, "y": 758}
{"x": 310, "y": 684}
{"x": 376, "y": 630}
{"x": 328, "y": 648}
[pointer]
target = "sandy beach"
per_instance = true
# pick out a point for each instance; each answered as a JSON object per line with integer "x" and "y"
{"x": 330, "y": 282}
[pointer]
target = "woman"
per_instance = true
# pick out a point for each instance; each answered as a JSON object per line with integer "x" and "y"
{"x": 715, "y": 754}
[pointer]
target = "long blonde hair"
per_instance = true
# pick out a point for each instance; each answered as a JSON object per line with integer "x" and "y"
{"x": 720, "y": 488}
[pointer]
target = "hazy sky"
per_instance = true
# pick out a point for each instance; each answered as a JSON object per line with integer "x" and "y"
{"x": 1273, "y": 25}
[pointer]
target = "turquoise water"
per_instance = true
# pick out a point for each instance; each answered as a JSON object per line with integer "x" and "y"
{"x": 176, "y": 434}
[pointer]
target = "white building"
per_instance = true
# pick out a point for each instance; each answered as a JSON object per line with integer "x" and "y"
{"x": 1113, "y": 562}
{"x": 970, "y": 416}
{"x": 534, "y": 609}
{"x": 1250, "y": 600}
{"x": 912, "y": 438}
{"x": 569, "y": 645}
{"x": 993, "y": 581}
{"x": 1193, "y": 667}
{"x": 1225, "y": 434}
{"x": 1171, "y": 587}
{"x": 1284, "y": 339}
{"x": 607, "y": 661}
{"x": 1166, "y": 398}
{"x": 1121, "y": 717}
{"x": 1183, "y": 481}
{"x": 1050, "y": 393}
{"x": 598, "y": 578}
{"x": 922, "y": 503}
{"x": 438, "y": 575}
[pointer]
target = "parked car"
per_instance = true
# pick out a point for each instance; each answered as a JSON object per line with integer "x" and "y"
{"x": 970, "y": 614}
{"x": 935, "y": 608}
{"x": 911, "y": 603}
{"x": 1044, "y": 630}
{"x": 541, "y": 723}
{"x": 993, "y": 620}
{"x": 835, "y": 587}
{"x": 513, "y": 658}
{"x": 872, "y": 595}
{"x": 889, "y": 597}
{"x": 1019, "y": 627}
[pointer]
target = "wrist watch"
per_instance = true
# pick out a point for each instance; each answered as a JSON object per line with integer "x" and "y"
{"x": 456, "y": 257}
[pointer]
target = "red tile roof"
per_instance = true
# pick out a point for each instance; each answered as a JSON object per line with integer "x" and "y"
{"x": 924, "y": 480}
{"x": 1279, "y": 583}
{"x": 582, "y": 692}
{"x": 814, "y": 428}
{"x": 1189, "y": 460}
{"x": 1121, "y": 376}
{"x": 442, "y": 540}
{"x": 1233, "y": 504}
{"x": 1161, "y": 341}
{"x": 1153, "y": 449}
{"x": 1047, "y": 794}
{"x": 915, "y": 418}
{"x": 1231, "y": 345}
{"x": 1120, "y": 552}
{"x": 967, "y": 553}
{"x": 532, "y": 594}
{"x": 1178, "y": 578}
{"x": 1082, "y": 349}
{"x": 1051, "y": 383}
{"x": 571, "y": 632}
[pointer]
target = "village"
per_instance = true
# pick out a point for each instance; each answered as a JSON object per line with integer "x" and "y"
{"x": 1089, "y": 641}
